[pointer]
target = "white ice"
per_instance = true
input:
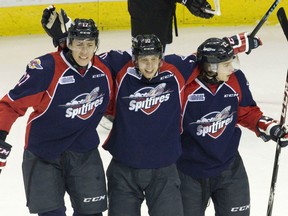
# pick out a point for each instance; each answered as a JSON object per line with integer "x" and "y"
{"x": 265, "y": 69}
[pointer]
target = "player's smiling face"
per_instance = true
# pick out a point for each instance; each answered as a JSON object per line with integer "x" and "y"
{"x": 83, "y": 51}
{"x": 148, "y": 65}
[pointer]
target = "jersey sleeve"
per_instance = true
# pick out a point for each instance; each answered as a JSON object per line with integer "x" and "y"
{"x": 28, "y": 91}
{"x": 116, "y": 59}
{"x": 185, "y": 64}
{"x": 249, "y": 113}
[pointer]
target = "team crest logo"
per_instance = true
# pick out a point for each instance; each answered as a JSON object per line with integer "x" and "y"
{"x": 214, "y": 124}
{"x": 35, "y": 64}
{"x": 148, "y": 99}
{"x": 84, "y": 105}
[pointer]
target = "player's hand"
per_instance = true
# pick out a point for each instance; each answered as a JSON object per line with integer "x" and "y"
{"x": 49, "y": 16}
{"x": 5, "y": 149}
{"x": 243, "y": 42}
{"x": 56, "y": 25}
{"x": 270, "y": 129}
{"x": 198, "y": 7}
{"x": 280, "y": 133}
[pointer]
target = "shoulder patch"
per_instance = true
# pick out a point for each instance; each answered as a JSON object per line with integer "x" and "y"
{"x": 35, "y": 64}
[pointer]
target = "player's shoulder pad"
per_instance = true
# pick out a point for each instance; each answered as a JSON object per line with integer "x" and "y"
{"x": 42, "y": 68}
{"x": 41, "y": 62}
{"x": 185, "y": 64}
{"x": 180, "y": 59}
{"x": 103, "y": 61}
{"x": 113, "y": 54}
{"x": 241, "y": 77}
{"x": 116, "y": 59}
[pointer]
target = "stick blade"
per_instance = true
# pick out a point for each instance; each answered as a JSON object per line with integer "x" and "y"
{"x": 283, "y": 21}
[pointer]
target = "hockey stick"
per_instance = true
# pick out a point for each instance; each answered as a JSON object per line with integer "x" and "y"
{"x": 264, "y": 18}
{"x": 278, "y": 151}
{"x": 283, "y": 21}
{"x": 284, "y": 24}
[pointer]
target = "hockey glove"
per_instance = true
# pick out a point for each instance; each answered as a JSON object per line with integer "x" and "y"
{"x": 56, "y": 25}
{"x": 197, "y": 8}
{"x": 270, "y": 129}
{"x": 243, "y": 42}
{"x": 5, "y": 149}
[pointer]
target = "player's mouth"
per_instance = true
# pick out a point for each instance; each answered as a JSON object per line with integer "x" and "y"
{"x": 83, "y": 57}
{"x": 149, "y": 71}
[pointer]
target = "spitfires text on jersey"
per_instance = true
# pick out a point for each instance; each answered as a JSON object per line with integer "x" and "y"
{"x": 148, "y": 99}
{"x": 214, "y": 123}
{"x": 84, "y": 105}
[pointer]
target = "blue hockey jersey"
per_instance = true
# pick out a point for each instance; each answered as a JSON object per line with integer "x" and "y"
{"x": 146, "y": 129}
{"x": 211, "y": 136}
{"x": 67, "y": 105}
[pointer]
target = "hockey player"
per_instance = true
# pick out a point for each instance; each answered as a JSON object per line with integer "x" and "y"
{"x": 69, "y": 91}
{"x": 214, "y": 104}
{"x": 144, "y": 153}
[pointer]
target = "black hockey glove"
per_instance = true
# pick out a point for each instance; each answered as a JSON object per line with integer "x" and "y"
{"x": 56, "y": 25}
{"x": 242, "y": 42}
{"x": 197, "y": 8}
{"x": 270, "y": 129}
{"x": 5, "y": 149}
